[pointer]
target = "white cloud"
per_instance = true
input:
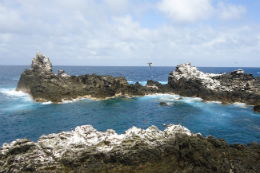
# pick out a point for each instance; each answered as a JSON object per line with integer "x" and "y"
{"x": 88, "y": 33}
{"x": 117, "y": 6}
{"x": 9, "y": 20}
{"x": 187, "y": 10}
{"x": 230, "y": 11}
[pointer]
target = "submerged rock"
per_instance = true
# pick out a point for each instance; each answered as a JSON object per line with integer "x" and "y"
{"x": 176, "y": 149}
{"x": 163, "y": 104}
{"x": 256, "y": 108}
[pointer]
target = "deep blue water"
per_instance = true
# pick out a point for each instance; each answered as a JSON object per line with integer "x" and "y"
{"x": 20, "y": 117}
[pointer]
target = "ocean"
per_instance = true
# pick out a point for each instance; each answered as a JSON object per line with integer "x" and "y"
{"x": 21, "y": 117}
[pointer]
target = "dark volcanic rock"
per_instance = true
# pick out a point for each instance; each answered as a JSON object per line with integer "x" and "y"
{"x": 176, "y": 149}
{"x": 256, "y": 108}
{"x": 44, "y": 85}
{"x": 163, "y": 104}
{"x": 236, "y": 86}
{"x": 159, "y": 87}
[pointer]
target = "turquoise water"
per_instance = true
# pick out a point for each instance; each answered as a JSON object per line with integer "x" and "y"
{"x": 20, "y": 117}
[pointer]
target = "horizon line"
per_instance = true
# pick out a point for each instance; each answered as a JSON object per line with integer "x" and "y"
{"x": 132, "y": 66}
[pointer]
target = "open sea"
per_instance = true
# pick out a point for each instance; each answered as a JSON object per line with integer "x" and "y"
{"x": 21, "y": 117}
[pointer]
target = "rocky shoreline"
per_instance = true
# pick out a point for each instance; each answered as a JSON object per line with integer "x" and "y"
{"x": 176, "y": 149}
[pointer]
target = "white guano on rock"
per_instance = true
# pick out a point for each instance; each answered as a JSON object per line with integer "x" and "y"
{"x": 41, "y": 63}
{"x": 86, "y": 136}
{"x": 191, "y": 72}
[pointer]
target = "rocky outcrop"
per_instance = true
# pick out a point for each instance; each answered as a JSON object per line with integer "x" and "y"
{"x": 41, "y": 63}
{"x": 44, "y": 85}
{"x": 160, "y": 88}
{"x": 192, "y": 73}
{"x": 176, "y": 149}
{"x": 236, "y": 86}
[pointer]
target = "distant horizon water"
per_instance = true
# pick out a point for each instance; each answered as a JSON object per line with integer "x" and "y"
{"x": 135, "y": 66}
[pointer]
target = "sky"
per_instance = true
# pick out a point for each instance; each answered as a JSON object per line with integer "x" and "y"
{"x": 206, "y": 33}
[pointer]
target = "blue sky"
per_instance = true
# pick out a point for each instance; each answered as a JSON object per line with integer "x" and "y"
{"x": 212, "y": 33}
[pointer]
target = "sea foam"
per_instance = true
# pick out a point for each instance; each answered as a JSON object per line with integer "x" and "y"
{"x": 12, "y": 92}
{"x": 46, "y": 103}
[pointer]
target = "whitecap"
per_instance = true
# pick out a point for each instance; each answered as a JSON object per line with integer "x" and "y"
{"x": 12, "y": 92}
{"x": 46, "y": 103}
{"x": 218, "y": 102}
{"x": 21, "y": 100}
{"x": 15, "y": 78}
{"x": 241, "y": 105}
{"x": 168, "y": 97}
{"x": 191, "y": 99}
{"x": 162, "y": 97}
{"x": 66, "y": 101}
{"x": 171, "y": 97}
{"x": 256, "y": 127}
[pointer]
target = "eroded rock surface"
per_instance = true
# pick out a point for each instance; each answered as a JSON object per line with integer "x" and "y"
{"x": 44, "y": 85}
{"x": 176, "y": 149}
{"x": 41, "y": 63}
{"x": 236, "y": 86}
{"x": 192, "y": 73}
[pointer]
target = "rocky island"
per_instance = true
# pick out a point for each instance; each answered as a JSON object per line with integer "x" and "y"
{"x": 236, "y": 86}
{"x": 44, "y": 85}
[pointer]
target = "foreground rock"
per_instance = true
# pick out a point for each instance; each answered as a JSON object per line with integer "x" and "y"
{"x": 44, "y": 85}
{"x": 176, "y": 149}
{"x": 236, "y": 86}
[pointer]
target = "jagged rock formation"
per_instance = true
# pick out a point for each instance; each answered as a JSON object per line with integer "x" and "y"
{"x": 236, "y": 86}
{"x": 192, "y": 73}
{"x": 176, "y": 149}
{"x": 44, "y": 85}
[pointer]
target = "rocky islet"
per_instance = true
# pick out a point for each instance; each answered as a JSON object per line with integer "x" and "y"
{"x": 44, "y": 85}
{"x": 236, "y": 86}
